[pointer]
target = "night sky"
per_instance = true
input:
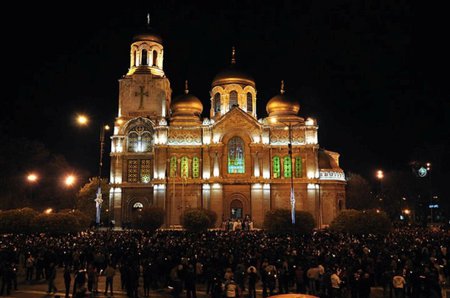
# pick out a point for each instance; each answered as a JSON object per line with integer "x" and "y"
{"x": 374, "y": 75}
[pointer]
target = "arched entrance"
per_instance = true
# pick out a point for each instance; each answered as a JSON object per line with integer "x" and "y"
{"x": 136, "y": 210}
{"x": 236, "y": 209}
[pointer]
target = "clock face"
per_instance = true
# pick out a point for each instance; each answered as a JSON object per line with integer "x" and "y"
{"x": 422, "y": 172}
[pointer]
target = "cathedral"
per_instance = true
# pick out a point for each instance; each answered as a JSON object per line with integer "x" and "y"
{"x": 233, "y": 163}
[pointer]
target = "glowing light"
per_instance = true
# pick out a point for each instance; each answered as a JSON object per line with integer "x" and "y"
{"x": 120, "y": 121}
{"x": 32, "y": 177}
{"x": 312, "y": 186}
{"x": 266, "y": 186}
{"x": 69, "y": 180}
{"x": 266, "y": 174}
{"x": 216, "y": 138}
{"x": 256, "y": 138}
{"x": 82, "y": 119}
{"x": 206, "y": 175}
{"x": 48, "y": 211}
{"x": 106, "y": 127}
{"x": 378, "y": 210}
{"x": 216, "y": 186}
{"x": 257, "y": 185}
{"x": 380, "y": 174}
{"x": 407, "y": 211}
{"x": 206, "y": 186}
{"x": 310, "y": 175}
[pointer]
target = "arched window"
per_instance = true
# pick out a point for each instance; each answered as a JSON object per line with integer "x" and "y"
{"x": 249, "y": 102}
{"x": 155, "y": 57}
{"x": 173, "y": 167}
{"x": 133, "y": 142}
{"x": 146, "y": 142}
{"x": 298, "y": 167}
{"x": 184, "y": 167}
{"x": 236, "y": 161}
{"x": 134, "y": 58}
{"x": 287, "y": 167}
{"x": 276, "y": 167}
{"x": 195, "y": 167}
{"x": 233, "y": 99}
{"x": 217, "y": 102}
{"x": 144, "y": 57}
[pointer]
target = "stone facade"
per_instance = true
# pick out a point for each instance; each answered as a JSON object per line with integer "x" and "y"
{"x": 163, "y": 154}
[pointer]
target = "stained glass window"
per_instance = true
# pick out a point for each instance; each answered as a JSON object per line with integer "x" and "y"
{"x": 132, "y": 170}
{"x": 146, "y": 142}
{"x": 298, "y": 167}
{"x": 276, "y": 167}
{"x": 195, "y": 167}
{"x": 217, "y": 102}
{"x": 133, "y": 142}
{"x": 146, "y": 167}
{"x": 287, "y": 167}
{"x": 184, "y": 167}
{"x": 249, "y": 102}
{"x": 236, "y": 161}
{"x": 173, "y": 167}
{"x": 233, "y": 99}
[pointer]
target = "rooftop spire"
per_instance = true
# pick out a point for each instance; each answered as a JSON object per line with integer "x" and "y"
{"x": 148, "y": 20}
{"x": 282, "y": 87}
{"x": 186, "y": 87}
{"x": 233, "y": 55}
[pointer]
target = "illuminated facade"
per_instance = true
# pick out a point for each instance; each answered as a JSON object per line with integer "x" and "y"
{"x": 163, "y": 154}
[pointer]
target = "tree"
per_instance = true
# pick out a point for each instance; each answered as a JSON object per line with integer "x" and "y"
{"x": 17, "y": 221}
{"x": 358, "y": 192}
{"x": 195, "y": 220}
{"x": 85, "y": 199}
{"x": 361, "y": 222}
{"x": 279, "y": 221}
{"x": 56, "y": 223}
{"x": 151, "y": 219}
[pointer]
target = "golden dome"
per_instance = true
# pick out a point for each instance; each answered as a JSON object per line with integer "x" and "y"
{"x": 186, "y": 104}
{"x": 282, "y": 105}
{"x": 148, "y": 35}
{"x": 232, "y": 75}
{"x": 326, "y": 161}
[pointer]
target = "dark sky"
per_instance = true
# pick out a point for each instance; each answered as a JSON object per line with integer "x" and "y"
{"x": 374, "y": 75}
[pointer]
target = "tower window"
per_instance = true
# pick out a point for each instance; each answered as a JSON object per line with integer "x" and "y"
{"x": 236, "y": 161}
{"x": 144, "y": 57}
{"x": 249, "y": 102}
{"x": 133, "y": 141}
{"x": 155, "y": 57}
{"x": 233, "y": 99}
{"x": 217, "y": 102}
{"x": 134, "y": 58}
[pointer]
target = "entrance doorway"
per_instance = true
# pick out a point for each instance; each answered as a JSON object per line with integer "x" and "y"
{"x": 236, "y": 209}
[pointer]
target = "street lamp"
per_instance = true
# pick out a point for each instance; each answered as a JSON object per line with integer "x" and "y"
{"x": 69, "y": 180}
{"x": 289, "y": 125}
{"x": 84, "y": 120}
{"x": 380, "y": 176}
{"x": 32, "y": 179}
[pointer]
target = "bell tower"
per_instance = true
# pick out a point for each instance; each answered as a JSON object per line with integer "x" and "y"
{"x": 145, "y": 90}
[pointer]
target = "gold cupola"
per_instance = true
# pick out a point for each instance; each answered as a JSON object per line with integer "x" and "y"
{"x": 186, "y": 108}
{"x": 230, "y": 88}
{"x": 282, "y": 105}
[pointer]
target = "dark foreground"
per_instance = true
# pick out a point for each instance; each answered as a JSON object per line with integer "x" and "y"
{"x": 176, "y": 263}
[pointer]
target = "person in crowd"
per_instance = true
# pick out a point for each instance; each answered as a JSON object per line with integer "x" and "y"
{"x": 252, "y": 279}
{"x": 109, "y": 273}
{"x": 67, "y": 280}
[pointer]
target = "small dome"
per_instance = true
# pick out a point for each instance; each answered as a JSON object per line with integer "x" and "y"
{"x": 187, "y": 104}
{"x": 282, "y": 105}
{"x": 326, "y": 161}
{"x": 148, "y": 35}
{"x": 232, "y": 75}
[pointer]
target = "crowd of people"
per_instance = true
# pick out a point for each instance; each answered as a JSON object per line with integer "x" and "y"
{"x": 409, "y": 262}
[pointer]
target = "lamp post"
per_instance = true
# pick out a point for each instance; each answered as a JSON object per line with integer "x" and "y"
{"x": 380, "y": 176}
{"x": 292, "y": 196}
{"x": 84, "y": 120}
{"x": 32, "y": 179}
